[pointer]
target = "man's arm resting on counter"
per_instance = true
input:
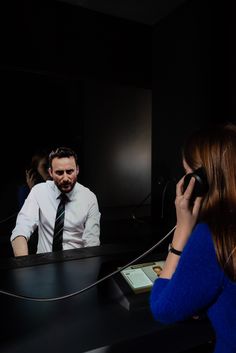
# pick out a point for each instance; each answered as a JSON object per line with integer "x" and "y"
{"x": 20, "y": 246}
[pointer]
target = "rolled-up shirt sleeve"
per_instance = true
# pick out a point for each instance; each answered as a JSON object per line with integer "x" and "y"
{"x": 27, "y": 219}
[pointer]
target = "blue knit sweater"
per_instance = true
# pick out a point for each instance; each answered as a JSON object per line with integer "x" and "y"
{"x": 199, "y": 284}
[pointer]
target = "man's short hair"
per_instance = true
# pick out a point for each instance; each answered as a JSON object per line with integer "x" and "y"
{"x": 62, "y": 152}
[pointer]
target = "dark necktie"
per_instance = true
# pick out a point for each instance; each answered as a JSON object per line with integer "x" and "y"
{"x": 59, "y": 224}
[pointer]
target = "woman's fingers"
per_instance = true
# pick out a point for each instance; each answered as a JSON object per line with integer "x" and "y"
{"x": 179, "y": 187}
{"x": 197, "y": 205}
{"x": 185, "y": 194}
{"x": 189, "y": 190}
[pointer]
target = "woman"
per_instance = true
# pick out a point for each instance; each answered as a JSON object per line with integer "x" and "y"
{"x": 36, "y": 173}
{"x": 200, "y": 270}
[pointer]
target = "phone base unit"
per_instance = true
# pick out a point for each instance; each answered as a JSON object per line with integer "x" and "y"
{"x": 132, "y": 286}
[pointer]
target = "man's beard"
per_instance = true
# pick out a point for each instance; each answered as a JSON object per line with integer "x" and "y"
{"x": 66, "y": 187}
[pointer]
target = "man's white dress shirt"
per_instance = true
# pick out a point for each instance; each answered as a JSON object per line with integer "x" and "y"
{"x": 82, "y": 217}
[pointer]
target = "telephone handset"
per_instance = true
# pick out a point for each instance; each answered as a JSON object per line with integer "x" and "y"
{"x": 201, "y": 184}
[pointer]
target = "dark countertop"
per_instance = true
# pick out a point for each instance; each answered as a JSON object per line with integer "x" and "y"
{"x": 93, "y": 321}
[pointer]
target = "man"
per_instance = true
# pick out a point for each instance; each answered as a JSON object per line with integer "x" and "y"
{"x": 80, "y": 216}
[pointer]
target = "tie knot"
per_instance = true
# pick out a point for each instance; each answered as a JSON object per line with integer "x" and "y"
{"x": 63, "y": 197}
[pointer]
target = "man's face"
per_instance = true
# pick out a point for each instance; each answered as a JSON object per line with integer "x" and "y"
{"x": 64, "y": 172}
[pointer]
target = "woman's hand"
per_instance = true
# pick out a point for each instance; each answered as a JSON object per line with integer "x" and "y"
{"x": 186, "y": 212}
{"x": 30, "y": 178}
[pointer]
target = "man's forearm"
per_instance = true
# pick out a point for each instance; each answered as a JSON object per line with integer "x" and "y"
{"x": 20, "y": 246}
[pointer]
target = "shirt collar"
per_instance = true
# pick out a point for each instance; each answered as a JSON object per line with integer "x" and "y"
{"x": 70, "y": 194}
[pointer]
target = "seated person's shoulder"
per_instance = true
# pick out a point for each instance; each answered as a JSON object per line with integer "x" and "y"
{"x": 202, "y": 228}
{"x": 202, "y": 236}
{"x": 85, "y": 190}
{"x": 40, "y": 187}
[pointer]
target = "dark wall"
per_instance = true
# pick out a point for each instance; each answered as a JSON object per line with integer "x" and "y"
{"x": 50, "y": 55}
{"x": 38, "y": 111}
{"x": 230, "y": 40}
{"x": 49, "y": 50}
{"x": 54, "y": 37}
{"x": 118, "y": 143}
{"x": 191, "y": 71}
